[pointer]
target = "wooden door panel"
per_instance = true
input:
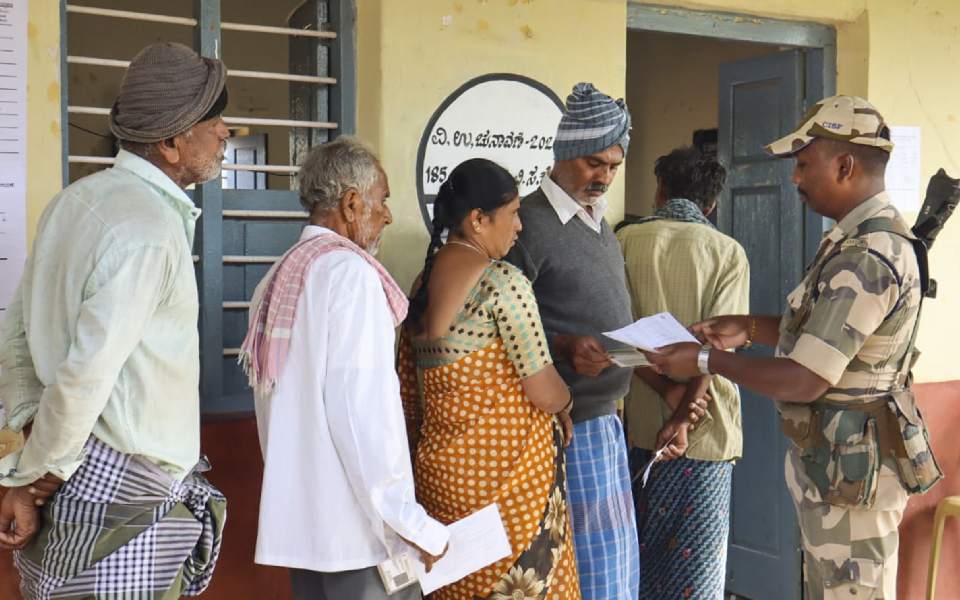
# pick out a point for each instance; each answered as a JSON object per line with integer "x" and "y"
{"x": 760, "y": 100}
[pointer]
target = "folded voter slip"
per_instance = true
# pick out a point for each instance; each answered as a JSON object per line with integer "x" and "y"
{"x": 628, "y": 358}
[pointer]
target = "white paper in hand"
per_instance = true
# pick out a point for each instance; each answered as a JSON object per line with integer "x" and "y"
{"x": 645, "y": 472}
{"x": 654, "y": 332}
{"x": 475, "y": 542}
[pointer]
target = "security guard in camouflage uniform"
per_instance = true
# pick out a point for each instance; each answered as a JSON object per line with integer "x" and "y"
{"x": 844, "y": 349}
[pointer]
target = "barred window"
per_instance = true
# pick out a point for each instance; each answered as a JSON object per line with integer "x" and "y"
{"x": 291, "y": 80}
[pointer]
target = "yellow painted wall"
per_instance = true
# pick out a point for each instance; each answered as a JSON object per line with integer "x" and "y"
{"x": 43, "y": 113}
{"x": 911, "y": 45}
{"x": 410, "y": 61}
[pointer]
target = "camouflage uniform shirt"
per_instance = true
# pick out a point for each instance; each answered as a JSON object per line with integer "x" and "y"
{"x": 861, "y": 316}
{"x": 850, "y": 321}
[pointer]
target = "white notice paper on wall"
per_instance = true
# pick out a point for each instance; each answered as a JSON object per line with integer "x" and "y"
{"x": 654, "y": 332}
{"x": 903, "y": 171}
{"x": 475, "y": 542}
{"x": 13, "y": 146}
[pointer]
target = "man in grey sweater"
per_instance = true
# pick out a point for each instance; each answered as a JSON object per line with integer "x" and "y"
{"x": 570, "y": 254}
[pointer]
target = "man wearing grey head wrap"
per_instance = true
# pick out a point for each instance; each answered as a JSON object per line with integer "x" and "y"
{"x": 168, "y": 112}
{"x": 570, "y": 254}
{"x": 100, "y": 358}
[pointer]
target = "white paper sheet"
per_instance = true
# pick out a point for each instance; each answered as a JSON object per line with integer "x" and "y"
{"x": 902, "y": 177}
{"x": 475, "y": 542}
{"x": 645, "y": 472}
{"x": 13, "y": 146}
{"x": 653, "y": 332}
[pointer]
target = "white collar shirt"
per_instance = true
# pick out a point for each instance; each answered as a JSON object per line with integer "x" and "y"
{"x": 337, "y": 484}
{"x": 100, "y": 337}
{"x": 567, "y": 208}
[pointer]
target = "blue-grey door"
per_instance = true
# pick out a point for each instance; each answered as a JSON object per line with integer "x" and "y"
{"x": 760, "y": 100}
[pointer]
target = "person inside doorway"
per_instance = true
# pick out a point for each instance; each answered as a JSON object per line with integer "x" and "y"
{"x": 678, "y": 262}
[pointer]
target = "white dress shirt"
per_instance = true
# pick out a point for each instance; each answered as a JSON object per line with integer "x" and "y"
{"x": 100, "y": 337}
{"x": 567, "y": 208}
{"x": 337, "y": 482}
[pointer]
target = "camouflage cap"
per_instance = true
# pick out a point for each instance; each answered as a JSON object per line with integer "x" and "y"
{"x": 844, "y": 118}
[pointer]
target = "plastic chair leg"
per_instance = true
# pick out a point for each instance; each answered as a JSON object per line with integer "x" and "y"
{"x": 938, "y": 525}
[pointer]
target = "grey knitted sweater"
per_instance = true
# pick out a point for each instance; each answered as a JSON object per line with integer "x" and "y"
{"x": 579, "y": 282}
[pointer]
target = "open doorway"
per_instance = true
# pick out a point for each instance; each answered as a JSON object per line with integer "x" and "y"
{"x": 735, "y": 83}
{"x": 673, "y": 95}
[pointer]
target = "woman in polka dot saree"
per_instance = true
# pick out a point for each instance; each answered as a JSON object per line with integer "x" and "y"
{"x": 480, "y": 429}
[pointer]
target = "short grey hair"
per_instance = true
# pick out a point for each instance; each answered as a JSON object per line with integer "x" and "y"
{"x": 146, "y": 151}
{"x": 333, "y": 168}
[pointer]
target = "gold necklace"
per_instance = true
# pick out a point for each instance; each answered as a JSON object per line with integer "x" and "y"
{"x": 471, "y": 246}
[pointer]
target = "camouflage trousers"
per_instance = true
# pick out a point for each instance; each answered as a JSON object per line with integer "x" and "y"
{"x": 848, "y": 553}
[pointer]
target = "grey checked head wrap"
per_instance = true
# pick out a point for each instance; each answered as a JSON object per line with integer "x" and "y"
{"x": 591, "y": 123}
{"x": 167, "y": 89}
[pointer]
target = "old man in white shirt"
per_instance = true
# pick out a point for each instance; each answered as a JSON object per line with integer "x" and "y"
{"x": 338, "y": 495}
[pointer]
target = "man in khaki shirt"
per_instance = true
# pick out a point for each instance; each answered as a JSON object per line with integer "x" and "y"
{"x": 678, "y": 262}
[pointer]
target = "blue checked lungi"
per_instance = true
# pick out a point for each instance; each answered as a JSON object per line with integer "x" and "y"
{"x": 604, "y": 525}
{"x": 121, "y": 527}
{"x": 683, "y": 517}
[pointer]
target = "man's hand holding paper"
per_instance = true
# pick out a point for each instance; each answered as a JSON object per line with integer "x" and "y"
{"x": 476, "y": 541}
{"x": 584, "y": 352}
{"x": 723, "y": 333}
{"x": 677, "y": 361}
